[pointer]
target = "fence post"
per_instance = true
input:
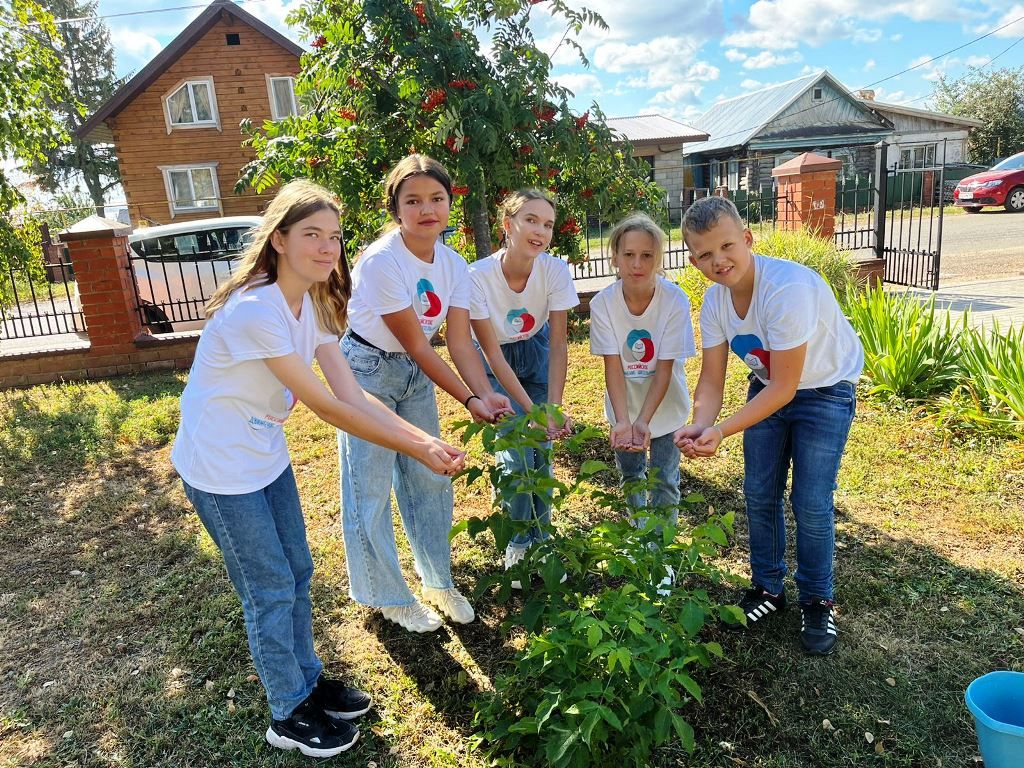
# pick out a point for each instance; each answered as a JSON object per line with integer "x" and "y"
{"x": 881, "y": 196}
{"x": 99, "y": 254}
{"x": 807, "y": 194}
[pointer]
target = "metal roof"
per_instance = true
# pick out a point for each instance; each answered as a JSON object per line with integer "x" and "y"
{"x": 94, "y": 128}
{"x": 641, "y": 129}
{"x": 899, "y": 109}
{"x": 733, "y": 122}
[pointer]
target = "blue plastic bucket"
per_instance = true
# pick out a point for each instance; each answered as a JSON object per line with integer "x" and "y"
{"x": 997, "y": 702}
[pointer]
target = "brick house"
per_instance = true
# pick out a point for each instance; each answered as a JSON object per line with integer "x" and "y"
{"x": 175, "y": 124}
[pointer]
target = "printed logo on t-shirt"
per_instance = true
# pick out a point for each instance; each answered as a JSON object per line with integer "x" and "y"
{"x": 282, "y": 402}
{"x": 750, "y": 349}
{"x": 638, "y": 354}
{"x": 519, "y": 323}
{"x": 429, "y": 306}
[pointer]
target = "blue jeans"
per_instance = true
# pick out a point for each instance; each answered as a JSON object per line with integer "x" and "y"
{"x": 528, "y": 360}
{"x": 810, "y": 434}
{"x": 368, "y": 472}
{"x": 664, "y": 456}
{"x": 263, "y": 539}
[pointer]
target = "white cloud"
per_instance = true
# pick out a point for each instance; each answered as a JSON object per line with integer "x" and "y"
{"x": 580, "y": 83}
{"x": 134, "y": 49}
{"x": 766, "y": 59}
{"x": 681, "y": 93}
{"x": 733, "y": 55}
{"x": 1014, "y": 30}
{"x": 977, "y": 61}
{"x": 897, "y": 37}
{"x": 933, "y": 70}
{"x": 869, "y": 65}
{"x": 751, "y": 85}
{"x": 659, "y": 63}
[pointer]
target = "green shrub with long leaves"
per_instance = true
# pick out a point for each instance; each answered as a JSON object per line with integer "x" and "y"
{"x": 991, "y": 393}
{"x": 911, "y": 347}
{"x": 609, "y": 662}
{"x": 818, "y": 253}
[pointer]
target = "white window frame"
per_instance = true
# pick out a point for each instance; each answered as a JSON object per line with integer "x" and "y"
{"x": 166, "y": 171}
{"x": 208, "y": 82}
{"x": 273, "y": 102}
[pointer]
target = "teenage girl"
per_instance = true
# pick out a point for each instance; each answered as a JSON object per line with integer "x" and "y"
{"x": 520, "y": 298}
{"x": 282, "y": 307}
{"x": 640, "y": 324}
{"x": 405, "y": 285}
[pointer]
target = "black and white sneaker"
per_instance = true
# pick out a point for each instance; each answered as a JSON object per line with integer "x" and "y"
{"x": 757, "y": 604}
{"x": 818, "y": 633}
{"x": 338, "y": 701}
{"x": 312, "y": 732}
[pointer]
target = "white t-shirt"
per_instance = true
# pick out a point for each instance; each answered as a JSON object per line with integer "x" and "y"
{"x": 791, "y": 305}
{"x": 231, "y": 436}
{"x": 517, "y": 316}
{"x": 388, "y": 278}
{"x": 662, "y": 332}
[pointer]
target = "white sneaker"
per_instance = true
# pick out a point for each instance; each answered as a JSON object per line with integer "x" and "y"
{"x": 415, "y": 617}
{"x": 669, "y": 580}
{"x": 513, "y": 556}
{"x": 451, "y": 602}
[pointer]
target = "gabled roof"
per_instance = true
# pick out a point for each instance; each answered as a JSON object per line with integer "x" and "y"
{"x": 642, "y": 129}
{"x": 899, "y": 109}
{"x": 734, "y": 122}
{"x": 94, "y": 128}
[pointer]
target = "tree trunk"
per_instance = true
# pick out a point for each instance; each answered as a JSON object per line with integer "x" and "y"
{"x": 478, "y": 219}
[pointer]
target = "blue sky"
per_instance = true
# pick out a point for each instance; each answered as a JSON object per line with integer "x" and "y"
{"x": 676, "y": 59}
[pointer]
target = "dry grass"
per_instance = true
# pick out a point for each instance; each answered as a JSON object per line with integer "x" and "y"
{"x": 123, "y": 644}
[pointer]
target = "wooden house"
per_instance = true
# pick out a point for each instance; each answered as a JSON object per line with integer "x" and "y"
{"x": 175, "y": 124}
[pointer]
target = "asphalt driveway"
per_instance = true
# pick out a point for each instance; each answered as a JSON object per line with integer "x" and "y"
{"x": 981, "y": 246}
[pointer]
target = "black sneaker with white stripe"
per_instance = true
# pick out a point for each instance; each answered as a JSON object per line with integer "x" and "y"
{"x": 339, "y": 701}
{"x": 312, "y": 732}
{"x": 818, "y": 633}
{"x": 758, "y": 604}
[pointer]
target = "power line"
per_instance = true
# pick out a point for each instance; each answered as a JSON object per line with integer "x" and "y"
{"x": 79, "y": 19}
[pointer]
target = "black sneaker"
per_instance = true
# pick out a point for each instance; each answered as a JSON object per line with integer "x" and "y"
{"x": 757, "y": 604}
{"x": 818, "y": 633}
{"x": 338, "y": 701}
{"x": 313, "y": 733}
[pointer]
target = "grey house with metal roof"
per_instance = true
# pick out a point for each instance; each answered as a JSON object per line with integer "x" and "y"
{"x": 751, "y": 134}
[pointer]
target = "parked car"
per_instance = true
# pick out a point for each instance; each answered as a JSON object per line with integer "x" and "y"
{"x": 177, "y": 268}
{"x": 1002, "y": 184}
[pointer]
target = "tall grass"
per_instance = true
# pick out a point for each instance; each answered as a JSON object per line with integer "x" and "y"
{"x": 991, "y": 393}
{"x": 818, "y": 253}
{"x": 910, "y": 348}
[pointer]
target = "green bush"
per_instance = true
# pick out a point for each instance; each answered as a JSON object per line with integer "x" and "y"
{"x": 608, "y": 662}
{"x": 991, "y": 393}
{"x": 910, "y": 347}
{"x": 694, "y": 284}
{"x": 815, "y": 252}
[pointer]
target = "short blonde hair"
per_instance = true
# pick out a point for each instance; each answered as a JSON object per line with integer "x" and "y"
{"x": 639, "y": 222}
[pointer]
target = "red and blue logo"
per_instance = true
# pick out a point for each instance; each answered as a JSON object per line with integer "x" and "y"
{"x": 430, "y": 302}
{"x": 750, "y": 349}
{"x": 640, "y": 346}
{"x": 520, "y": 321}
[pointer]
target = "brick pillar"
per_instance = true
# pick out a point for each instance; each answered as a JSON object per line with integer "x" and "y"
{"x": 99, "y": 252}
{"x": 806, "y": 191}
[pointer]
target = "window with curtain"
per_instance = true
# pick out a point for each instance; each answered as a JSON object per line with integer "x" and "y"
{"x": 282, "y": 97}
{"x": 192, "y": 104}
{"x": 192, "y": 188}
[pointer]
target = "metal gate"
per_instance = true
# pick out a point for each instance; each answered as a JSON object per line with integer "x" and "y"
{"x": 903, "y": 225}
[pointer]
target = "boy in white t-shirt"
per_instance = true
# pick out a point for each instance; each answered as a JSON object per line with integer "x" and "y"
{"x": 640, "y": 325}
{"x": 784, "y": 322}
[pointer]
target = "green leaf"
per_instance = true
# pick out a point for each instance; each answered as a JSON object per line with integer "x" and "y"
{"x": 557, "y": 748}
{"x": 692, "y": 618}
{"x": 593, "y": 635}
{"x": 458, "y": 528}
{"x": 690, "y": 685}
{"x": 684, "y": 731}
{"x": 525, "y": 725}
{"x": 591, "y": 467}
{"x": 610, "y": 717}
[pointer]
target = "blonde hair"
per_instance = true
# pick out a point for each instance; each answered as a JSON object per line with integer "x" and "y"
{"x": 639, "y": 222}
{"x": 407, "y": 167}
{"x": 258, "y": 265}
{"x": 514, "y": 201}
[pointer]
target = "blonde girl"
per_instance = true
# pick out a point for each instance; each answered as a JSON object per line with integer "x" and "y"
{"x": 405, "y": 286}
{"x": 641, "y": 326}
{"x": 521, "y": 295}
{"x": 283, "y": 306}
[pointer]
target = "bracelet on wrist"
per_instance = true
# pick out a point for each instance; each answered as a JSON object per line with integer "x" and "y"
{"x": 465, "y": 403}
{"x": 721, "y": 434}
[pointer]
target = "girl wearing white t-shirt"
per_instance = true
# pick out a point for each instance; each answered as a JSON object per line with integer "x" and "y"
{"x": 284, "y": 305}
{"x": 405, "y": 285}
{"x": 641, "y": 325}
{"x": 520, "y": 298}
{"x": 804, "y": 358}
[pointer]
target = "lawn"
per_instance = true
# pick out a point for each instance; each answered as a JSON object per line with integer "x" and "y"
{"x": 124, "y": 644}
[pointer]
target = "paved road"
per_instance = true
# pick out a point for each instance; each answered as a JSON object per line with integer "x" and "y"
{"x": 981, "y": 246}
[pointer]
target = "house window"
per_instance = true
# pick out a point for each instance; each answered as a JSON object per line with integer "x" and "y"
{"x": 192, "y": 105}
{"x": 282, "y": 97}
{"x": 734, "y": 174}
{"x": 232, "y": 38}
{"x": 191, "y": 188}
{"x": 816, "y": 94}
{"x": 922, "y": 156}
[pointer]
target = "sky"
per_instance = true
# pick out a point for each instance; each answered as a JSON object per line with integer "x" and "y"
{"x": 677, "y": 58}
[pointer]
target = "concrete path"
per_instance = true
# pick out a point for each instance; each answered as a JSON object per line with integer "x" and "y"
{"x": 989, "y": 302}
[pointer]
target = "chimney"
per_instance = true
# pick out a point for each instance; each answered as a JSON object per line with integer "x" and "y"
{"x": 866, "y": 94}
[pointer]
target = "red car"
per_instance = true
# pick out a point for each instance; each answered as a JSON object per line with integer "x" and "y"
{"x": 1002, "y": 184}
